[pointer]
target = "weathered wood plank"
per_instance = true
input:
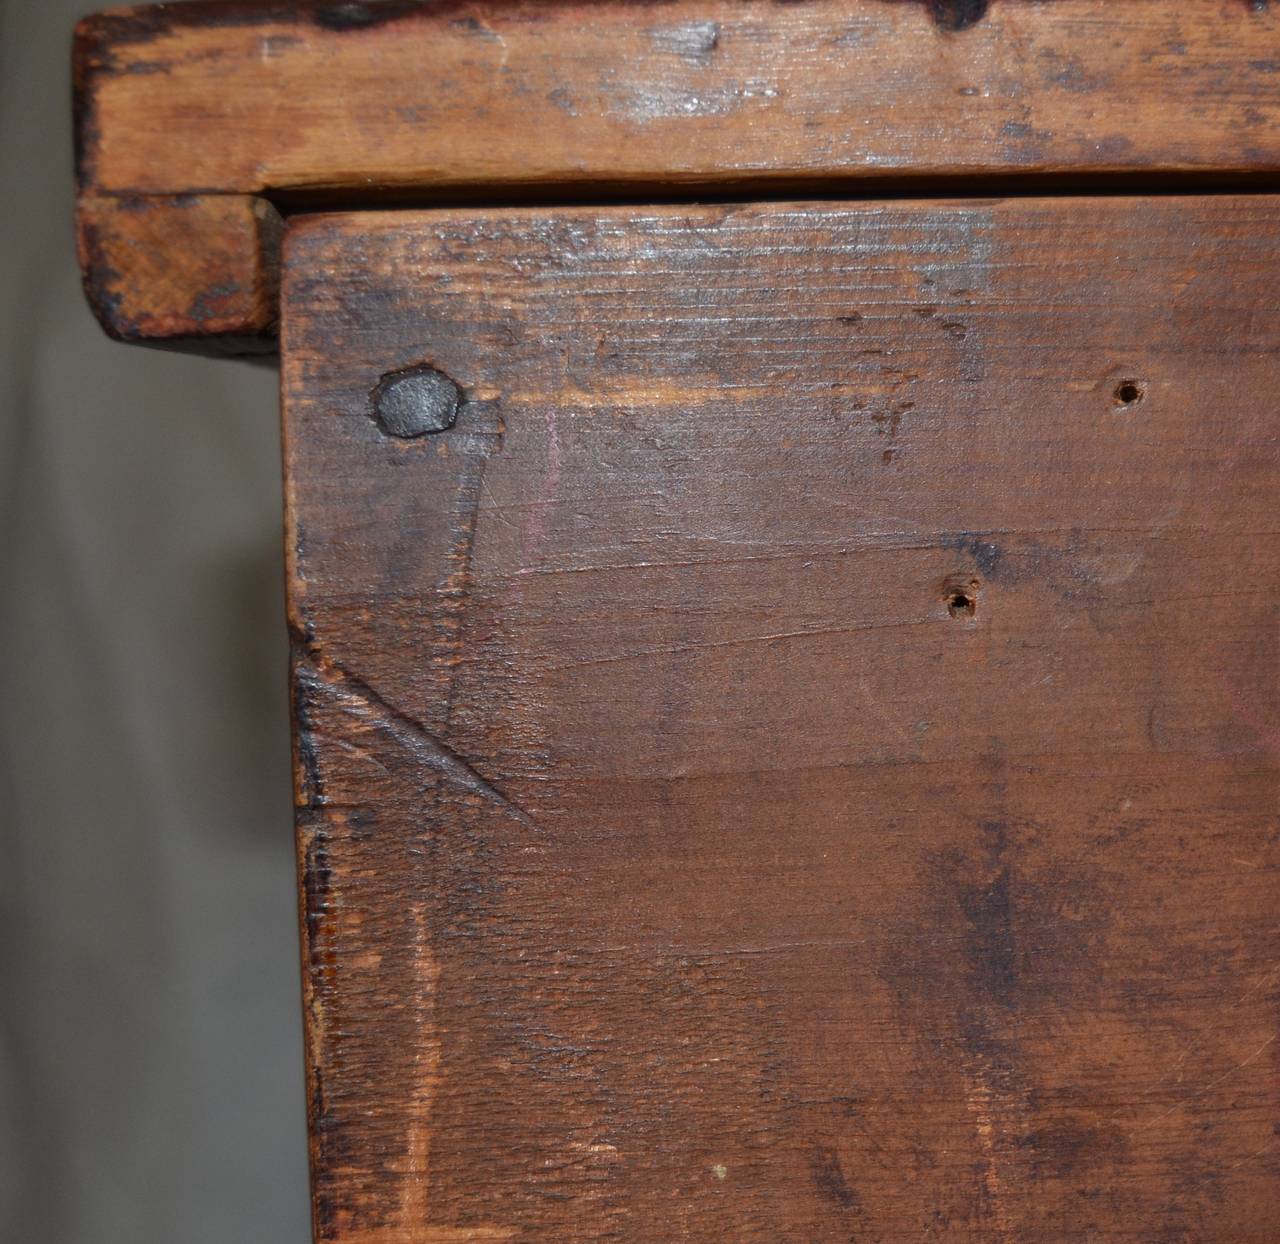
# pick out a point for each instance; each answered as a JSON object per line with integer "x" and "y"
{"x": 797, "y": 759}
{"x": 507, "y": 93}
{"x": 363, "y": 101}
{"x": 200, "y": 271}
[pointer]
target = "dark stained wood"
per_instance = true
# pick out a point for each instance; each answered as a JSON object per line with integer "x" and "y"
{"x": 358, "y": 101}
{"x": 193, "y": 270}
{"x": 797, "y": 760}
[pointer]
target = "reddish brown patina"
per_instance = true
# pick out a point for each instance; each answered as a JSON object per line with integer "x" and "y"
{"x": 785, "y": 690}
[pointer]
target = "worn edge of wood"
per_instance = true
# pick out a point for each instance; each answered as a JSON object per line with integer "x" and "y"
{"x": 195, "y": 273}
{"x": 133, "y": 61}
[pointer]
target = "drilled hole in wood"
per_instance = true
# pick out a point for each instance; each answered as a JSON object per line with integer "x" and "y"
{"x": 962, "y": 602}
{"x": 1128, "y": 393}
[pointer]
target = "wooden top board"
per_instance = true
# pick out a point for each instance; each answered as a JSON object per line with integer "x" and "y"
{"x": 361, "y": 102}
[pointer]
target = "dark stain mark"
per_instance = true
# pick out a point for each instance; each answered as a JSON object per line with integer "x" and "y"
{"x": 986, "y": 554}
{"x": 362, "y": 14}
{"x": 984, "y": 900}
{"x": 1061, "y": 1147}
{"x": 1265, "y": 66}
{"x": 1028, "y": 933}
{"x": 562, "y": 98}
{"x": 415, "y": 401}
{"x": 963, "y": 1000}
{"x": 85, "y": 131}
{"x": 1000, "y": 935}
{"x": 1257, "y": 6}
{"x": 1072, "y": 77}
{"x": 146, "y": 203}
{"x": 210, "y": 303}
{"x": 854, "y": 317}
{"x": 1068, "y": 72}
{"x": 1020, "y": 129}
{"x": 97, "y": 35}
{"x": 101, "y": 286}
{"x": 828, "y": 1178}
{"x": 146, "y": 22}
{"x": 958, "y": 14}
{"x": 1073, "y": 567}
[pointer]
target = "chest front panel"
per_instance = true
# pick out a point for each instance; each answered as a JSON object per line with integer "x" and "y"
{"x": 795, "y": 759}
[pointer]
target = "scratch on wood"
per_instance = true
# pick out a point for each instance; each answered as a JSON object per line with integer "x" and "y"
{"x": 313, "y": 671}
{"x": 453, "y": 589}
{"x": 1200, "y": 1091}
{"x": 431, "y": 1235}
{"x": 772, "y": 637}
{"x": 415, "y": 1179}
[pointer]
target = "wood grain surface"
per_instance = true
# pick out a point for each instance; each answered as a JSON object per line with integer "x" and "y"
{"x": 183, "y": 271}
{"x": 797, "y": 759}
{"x": 361, "y": 102}
{"x": 252, "y": 97}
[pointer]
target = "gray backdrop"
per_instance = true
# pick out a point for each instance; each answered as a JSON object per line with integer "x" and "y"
{"x": 150, "y": 1048}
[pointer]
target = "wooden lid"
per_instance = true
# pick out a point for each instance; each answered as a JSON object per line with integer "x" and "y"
{"x": 362, "y": 103}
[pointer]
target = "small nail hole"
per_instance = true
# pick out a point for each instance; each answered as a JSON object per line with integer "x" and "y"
{"x": 1128, "y": 392}
{"x": 961, "y": 604}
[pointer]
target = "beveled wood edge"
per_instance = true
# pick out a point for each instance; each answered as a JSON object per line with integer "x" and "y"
{"x": 154, "y": 279}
